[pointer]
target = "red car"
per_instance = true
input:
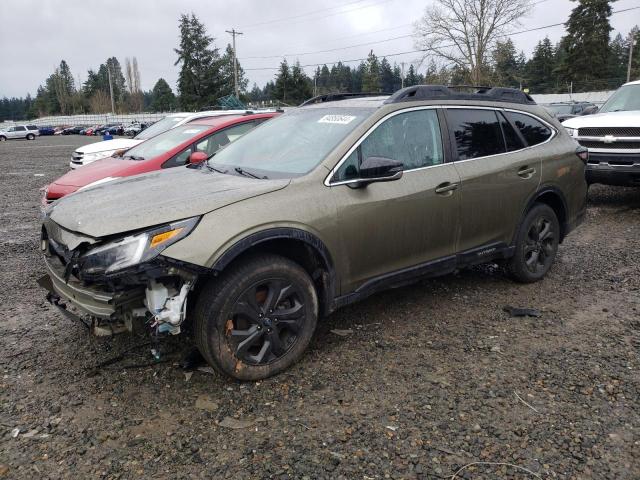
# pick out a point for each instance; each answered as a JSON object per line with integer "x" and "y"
{"x": 192, "y": 142}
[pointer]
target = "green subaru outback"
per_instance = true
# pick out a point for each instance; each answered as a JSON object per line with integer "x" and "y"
{"x": 327, "y": 204}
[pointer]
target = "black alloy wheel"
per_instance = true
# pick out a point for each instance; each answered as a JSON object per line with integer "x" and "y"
{"x": 257, "y": 318}
{"x": 536, "y": 244}
{"x": 265, "y": 321}
{"x": 539, "y": 248}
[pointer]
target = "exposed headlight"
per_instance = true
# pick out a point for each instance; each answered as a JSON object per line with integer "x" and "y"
{"x": 92, "y": 157}
{"x": 135, "y": 249}
{"x": 98, "y": 182}
{"x": 571, "y": 131}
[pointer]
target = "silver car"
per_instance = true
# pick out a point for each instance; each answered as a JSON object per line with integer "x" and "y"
{"x": 30, "y": 132}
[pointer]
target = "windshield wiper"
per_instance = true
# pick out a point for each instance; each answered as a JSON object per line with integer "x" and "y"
{"x": 246, "y": 173}
{"x": 211, "y": 168}
{"x": 133, "y": 157}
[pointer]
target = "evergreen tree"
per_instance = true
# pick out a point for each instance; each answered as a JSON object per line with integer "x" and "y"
{"x": 386, "y": 77}
{"x": 412, "y": 78}
{"x": 163, "y": 99}
{"x": 282, "y": 88}
{"x": 540, "y": 69}
{"x": 587, "y": 45}
{"x": 199, "y": 78}
{"x": 371, "y": 79}
{"x": 505, "y": 64}
{"x": 397, "y": 78}
{"x": 617, "y": 64}
{"x": 227, "y": 76}
{"x": 301, "y": 85}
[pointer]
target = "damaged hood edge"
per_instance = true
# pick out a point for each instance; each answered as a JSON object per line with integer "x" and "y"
{"x": 152, "y": 199}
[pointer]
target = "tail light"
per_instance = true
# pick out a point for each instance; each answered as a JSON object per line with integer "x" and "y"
{"x": 583, "y": 154}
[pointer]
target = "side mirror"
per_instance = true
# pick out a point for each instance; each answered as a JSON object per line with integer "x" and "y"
{"x": 198, "y": 157}
{"x": 379, "y": 169}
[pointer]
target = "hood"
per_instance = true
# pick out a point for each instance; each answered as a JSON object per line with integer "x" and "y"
{"x": 153, "y": 199}
{"x": 115, "y": 144}
{"x": 107, "y": 167}
{"x": 611, "y": 119}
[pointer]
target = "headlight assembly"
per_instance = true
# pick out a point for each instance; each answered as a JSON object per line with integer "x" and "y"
{"x": 571, "y": 131}
{"x": 134, "y": 249}
{"x": 91, "y": 157}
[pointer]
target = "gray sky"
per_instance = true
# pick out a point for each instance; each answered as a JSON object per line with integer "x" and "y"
{"x": 36, "y": 34}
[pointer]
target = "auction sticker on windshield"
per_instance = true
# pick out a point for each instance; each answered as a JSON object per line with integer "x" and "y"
{"x": 340, "y": 119}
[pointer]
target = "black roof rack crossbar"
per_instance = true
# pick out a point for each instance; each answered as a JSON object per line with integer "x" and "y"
{"x": 334, "y": 97}
{"x": 442, "y": 92}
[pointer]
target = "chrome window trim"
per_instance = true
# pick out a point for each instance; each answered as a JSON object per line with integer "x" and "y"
{"x": 332, "y": 172}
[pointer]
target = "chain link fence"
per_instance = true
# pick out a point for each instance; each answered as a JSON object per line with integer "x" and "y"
{"x": 90, "y": 120}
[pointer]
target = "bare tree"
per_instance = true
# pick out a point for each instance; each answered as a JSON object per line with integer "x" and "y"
{"x": 463, "y": 32}
{"x": 132, "y": 75}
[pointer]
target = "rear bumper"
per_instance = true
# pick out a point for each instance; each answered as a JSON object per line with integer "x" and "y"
{"x": 618, "y": 169}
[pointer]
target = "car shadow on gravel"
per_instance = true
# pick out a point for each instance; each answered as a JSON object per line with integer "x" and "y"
{"x": 626, "y": 197}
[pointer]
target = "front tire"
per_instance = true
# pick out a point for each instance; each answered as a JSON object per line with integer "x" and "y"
{"x": 536, "y": 244}
{"x": 257, "y": 319}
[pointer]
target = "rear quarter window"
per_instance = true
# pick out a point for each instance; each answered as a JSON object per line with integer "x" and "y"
{"x": 477, "y": 132}
{"x": 533, "y": 131}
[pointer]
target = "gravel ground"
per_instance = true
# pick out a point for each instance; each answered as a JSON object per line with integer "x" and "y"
{"x": 425, "y": 380}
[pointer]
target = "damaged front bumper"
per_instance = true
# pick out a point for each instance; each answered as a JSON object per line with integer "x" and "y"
{"x": 153, "y": 294}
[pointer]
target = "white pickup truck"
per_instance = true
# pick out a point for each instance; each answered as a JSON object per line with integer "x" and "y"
{"x": 612, "y": 137}
{"x": 96, "y": 151}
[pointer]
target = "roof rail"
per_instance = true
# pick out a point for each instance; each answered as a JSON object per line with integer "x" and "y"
{"x": 442, "y": 92}
{"x": 334, "y": 97}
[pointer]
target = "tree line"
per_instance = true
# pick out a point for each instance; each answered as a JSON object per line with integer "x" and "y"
{"x": 585, "y": 59}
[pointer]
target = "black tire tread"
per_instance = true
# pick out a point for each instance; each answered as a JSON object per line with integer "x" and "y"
{"x": 515, "y": 267}
{"x": 215, "y": 291}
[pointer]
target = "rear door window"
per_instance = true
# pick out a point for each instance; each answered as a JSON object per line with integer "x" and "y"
{"x": 533, "y": 131}
{"x": 477, "y": 132}
{"x": 20, "y": 129}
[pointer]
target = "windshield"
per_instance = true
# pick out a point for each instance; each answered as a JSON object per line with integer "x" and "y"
{"x": 167, "y": 123}
{"x": 560, "y": 109}
{"x": 624, "y": 99}
{"x": 292, "y": 144}
{"x": 164, "y": 142}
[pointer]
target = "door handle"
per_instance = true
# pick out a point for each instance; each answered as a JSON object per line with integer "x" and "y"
{"x": 446, "y": 188}
{"x": 526, "y": 172}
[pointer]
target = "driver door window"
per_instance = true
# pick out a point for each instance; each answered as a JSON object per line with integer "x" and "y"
{"x": 412, "y": 138}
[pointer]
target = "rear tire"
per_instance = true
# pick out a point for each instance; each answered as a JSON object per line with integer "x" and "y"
{"x": 257, "y": 319}
{"x": 3, "y": 138}
{"x": 31, "y": 136}
{"x": 536, "y": 244}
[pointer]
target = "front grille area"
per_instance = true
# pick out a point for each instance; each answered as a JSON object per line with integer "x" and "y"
{"x": 610, "y": 146}
{"x": 615, "y": 131}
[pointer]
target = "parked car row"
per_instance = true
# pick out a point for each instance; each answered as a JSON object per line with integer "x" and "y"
{"x": 250, "y": 235}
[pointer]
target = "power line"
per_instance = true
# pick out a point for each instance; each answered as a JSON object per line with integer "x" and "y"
{"x": 264, "y": 24}
{"x": 410, "y": 51}
{"x": 267, "y": 22}
{"x": 329, "y": 50}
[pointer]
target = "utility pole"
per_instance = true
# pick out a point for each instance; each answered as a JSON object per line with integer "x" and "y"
{"x": 233, "y": 34}
{"x": 402, "y": 76}
{"x": 632, "y": 42}
{"x": 113, "y": 107}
